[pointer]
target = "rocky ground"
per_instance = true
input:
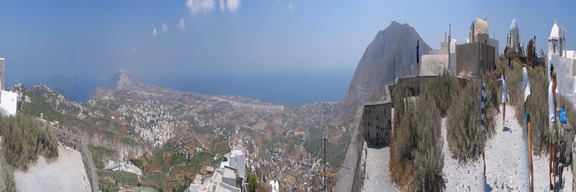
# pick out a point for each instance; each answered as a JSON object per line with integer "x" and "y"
{"x": 506, "y": 164}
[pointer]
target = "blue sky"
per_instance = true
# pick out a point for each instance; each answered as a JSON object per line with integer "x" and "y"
{"x": 224, "y": 41}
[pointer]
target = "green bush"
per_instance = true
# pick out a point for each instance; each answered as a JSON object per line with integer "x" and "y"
{"x": 157, "y": 177}
{"x": 252, "y": 183}
{"x": 463, "y": 136}
{"x": 99, "y": 154}
{"x": 570, "y": 113}
{"x": 405, "y": 132}
{"x": 6, "y": 176}
{"x": 416, "y": 146}
{"x": 137, "y": 163}
{"x": 107, "y": 186}
{"x": 538, "y": 109}
{"x": 121, "y": 177}
{"x": 24, "y": 140}
{"x": 428, "y": 157}
{"x": 515, "y": 83}
{"x": 403, "y": 140}
{"x": 514, "y": 78}
{"x": 444, "y": 90}
{"x": 493, "y": 95}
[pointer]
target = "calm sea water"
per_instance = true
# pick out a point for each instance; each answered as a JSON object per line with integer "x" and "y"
{"x": 282, "y": 88}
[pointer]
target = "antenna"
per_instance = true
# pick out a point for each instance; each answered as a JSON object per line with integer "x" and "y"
{"x": 324, "y": 138}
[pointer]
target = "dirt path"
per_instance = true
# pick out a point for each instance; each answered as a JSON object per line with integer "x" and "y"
{"x": 506, "y": 163}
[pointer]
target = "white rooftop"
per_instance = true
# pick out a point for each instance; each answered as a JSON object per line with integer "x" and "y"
{"x": 555, "y": 32}
{"x": 513, "y": 25}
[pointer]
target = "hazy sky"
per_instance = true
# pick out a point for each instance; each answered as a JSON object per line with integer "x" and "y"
{"x": 216, "y": 38}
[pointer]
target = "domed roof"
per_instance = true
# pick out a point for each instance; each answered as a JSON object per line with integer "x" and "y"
{"x": 554, "y": 34}
{"x": 480, "y": 26}
{"x": 513, "y": 25}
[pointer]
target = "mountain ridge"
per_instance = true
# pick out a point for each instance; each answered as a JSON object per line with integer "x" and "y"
{"x": 391, "y": 54}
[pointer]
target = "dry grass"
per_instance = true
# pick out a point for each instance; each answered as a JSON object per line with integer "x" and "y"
{"x": 444, "y": 90}
{"x": 538, "y": 109}
{"x": 416, "y": 148}
{"x": 428, "y": 157}
{"x": 24, "y": 140}
{"x": 464, "y": 139}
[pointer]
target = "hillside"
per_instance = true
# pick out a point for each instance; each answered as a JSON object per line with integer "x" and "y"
{"x": 392, "y": 52}
{"x": 171, "y": 135}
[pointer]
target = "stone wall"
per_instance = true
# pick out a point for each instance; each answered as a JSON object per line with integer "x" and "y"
{"x": 434, "y": 64}
{"x": 373, "y": 127}
{"x": 474, "y": 56}
{"x": 377, "y": 123}
{"x": 350, "y": 177}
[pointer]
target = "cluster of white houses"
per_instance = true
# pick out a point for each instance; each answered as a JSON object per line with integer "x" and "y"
{"x": 228, "y": 177}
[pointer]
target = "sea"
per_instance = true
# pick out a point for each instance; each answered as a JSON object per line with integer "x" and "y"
{"x": 281, "y": 88}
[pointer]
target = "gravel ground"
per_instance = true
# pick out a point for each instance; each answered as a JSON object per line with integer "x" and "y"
{"x": 506, "y": 163}
{"x": 67, "y": 173}
{"x": 377, "y": 175}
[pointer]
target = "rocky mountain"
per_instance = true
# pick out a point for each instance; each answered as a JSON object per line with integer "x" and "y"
{"x": 391, "y": 53}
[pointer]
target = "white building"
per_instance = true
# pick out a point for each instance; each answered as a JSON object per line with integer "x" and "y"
{"x": 8, "y": 103}
{"x": 514, "y": 36}
{"x": 274, "y": 187}
{"x": 238, "y": 162}
{"x": 479, "y": 32}
{"x": 563, "y": 61}
{"x": 8, "y": 100}
{"x": 229, "y": 176}
{"x": 437, "y": 61}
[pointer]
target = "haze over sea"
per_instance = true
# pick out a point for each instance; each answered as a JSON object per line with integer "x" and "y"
{"x": 289, "y": 88}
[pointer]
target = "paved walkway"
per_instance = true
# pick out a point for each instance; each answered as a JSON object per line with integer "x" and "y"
{"x": 65, "y": 174}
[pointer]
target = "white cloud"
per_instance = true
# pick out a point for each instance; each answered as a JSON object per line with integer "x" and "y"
{"x": 164, "y": 28}
{"x": 290, "y": 6}
{"x": 197, "y": 6}
{"x": 222, "y": 5}
{"x": 133, "y": 50}
{"x": 233, "y": 5}
{"x": 154, "y": 32}
{"x": 181, "y": 25}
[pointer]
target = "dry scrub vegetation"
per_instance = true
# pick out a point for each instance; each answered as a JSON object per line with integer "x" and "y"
{"x": 23, "y": 140}
{"x": 416, "y": 147}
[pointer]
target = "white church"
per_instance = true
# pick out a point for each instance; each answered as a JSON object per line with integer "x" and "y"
{"x": 563, "y": 61}
{"x": 514, "y": 35}
{"x": 8, "y": 100}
